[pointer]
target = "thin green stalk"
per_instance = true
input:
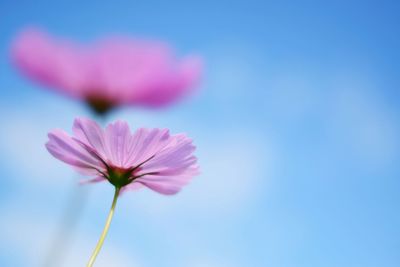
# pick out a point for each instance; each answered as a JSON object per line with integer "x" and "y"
{"x": 105, "y": 230}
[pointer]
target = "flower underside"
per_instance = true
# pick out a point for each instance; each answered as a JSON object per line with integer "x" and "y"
{"x": 120, "y": 177}
{"x": 148, "y": 157}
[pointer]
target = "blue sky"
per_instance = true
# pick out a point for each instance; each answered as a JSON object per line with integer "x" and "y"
{"x": 296, "y": 123}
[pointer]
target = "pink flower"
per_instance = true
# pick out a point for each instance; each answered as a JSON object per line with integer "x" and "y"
{"x": 110, "y": 73}
{"x": 149, "y": 157}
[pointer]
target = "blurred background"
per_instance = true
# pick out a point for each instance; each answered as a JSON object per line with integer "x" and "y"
{"x": 296, "y": 124}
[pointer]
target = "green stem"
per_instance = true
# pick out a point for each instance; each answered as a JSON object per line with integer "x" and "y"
{"x": 105, "y": 230}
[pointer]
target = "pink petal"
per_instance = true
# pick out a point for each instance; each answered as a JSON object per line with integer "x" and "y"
{"x": 63, "y": 147}
{"x": 90, "y": 133}
{"x": 162, "y": 185}
{"x": 177, "y": 155}
{"x": 54, "y": 63}
{"x": 120, "y": 71}
{"x": 171, "y": 84}
{"x": 133, "y": 186}
{"x": 162, "y": 188}
{"x": 117, "y": 138}
{"x": 174, "y": 164}
{"x": 162, "y": 162}
{"x": 97, "y": 179}
{"x": 145, "y": 143}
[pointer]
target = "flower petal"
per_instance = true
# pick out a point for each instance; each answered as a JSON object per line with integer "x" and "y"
{"x": 150, "y": 157}
{"x": 163, "y": 185}
{"x": 118, "y": 71}
{"x": 55, "y": 63}
{"x": 144, "y": 144}
{"x": 90, "y": 133}
{"x": 66, "y": 149}
{"x": 171, "y": 168}
{"x": 117, "y": 138}
{"x": 132, "y": 186}
{"x": 97, "y": 179}
{"x": 177, "y": 155}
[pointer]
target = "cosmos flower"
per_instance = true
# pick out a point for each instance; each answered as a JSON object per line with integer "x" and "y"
{"x": 148, "y": 157}
{"x": 109, "y": 73}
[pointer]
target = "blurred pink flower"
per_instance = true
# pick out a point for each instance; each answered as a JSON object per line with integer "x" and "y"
{"x": 109, "y": 73}
{"x": 149, "y": 157}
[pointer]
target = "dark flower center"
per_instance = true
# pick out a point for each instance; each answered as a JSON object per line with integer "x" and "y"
{"x": 100, "y": 105}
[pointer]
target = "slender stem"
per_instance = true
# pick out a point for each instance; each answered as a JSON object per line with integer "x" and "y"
{"x": 105, "y": 230}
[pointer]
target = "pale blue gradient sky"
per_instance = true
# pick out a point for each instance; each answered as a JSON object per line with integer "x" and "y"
{"x": 296, "y": 123}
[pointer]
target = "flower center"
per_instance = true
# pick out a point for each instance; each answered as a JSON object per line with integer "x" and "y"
{"x": 99, "y": 105}
{"x": 120, "y": 177}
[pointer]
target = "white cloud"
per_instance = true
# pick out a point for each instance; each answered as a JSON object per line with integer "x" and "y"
{"x": 361, "y": 120}
{"x": 22, "y": 143}
{"x": 292, "y": 94}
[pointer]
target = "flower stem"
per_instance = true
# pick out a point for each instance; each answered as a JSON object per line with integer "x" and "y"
{"x": 105, "y": 230}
